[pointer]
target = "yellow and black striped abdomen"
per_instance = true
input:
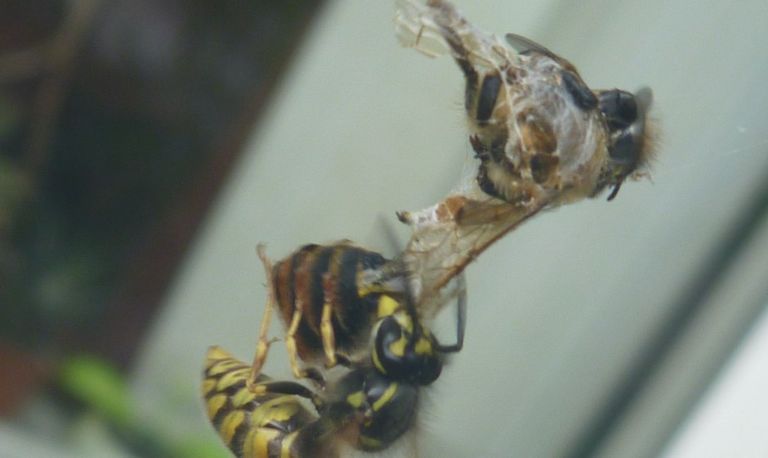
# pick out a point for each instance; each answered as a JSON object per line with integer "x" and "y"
{"x": 299, "y": 283}
{"x": 254, "y": 425}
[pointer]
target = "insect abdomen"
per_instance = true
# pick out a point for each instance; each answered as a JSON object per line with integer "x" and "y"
{"x": 299, "y": 283}
{"x": 266, "y": 425}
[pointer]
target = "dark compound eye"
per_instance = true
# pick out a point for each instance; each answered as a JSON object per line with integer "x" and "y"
{"x": 619, "y": 108}
{"x": 624, "y": 148}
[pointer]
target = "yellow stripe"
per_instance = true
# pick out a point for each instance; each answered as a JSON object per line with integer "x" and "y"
{"x": 215, "y": 404}
{"x": 230, "y": 424}
{"x": 215, "y": 353}
{"x": 385, "y": 397}
{"x": 423, "y": 347}
{"x": 356, "y": 399}
{"x": 285, "y": 447}
{"x": 224, "y": 366}
{"x": 398, "y": 347}
{"x": 405, "y": 321}
{"x": 233, "y": 378}
{"x": 387, "y": 306}
{"x": 242, "y": 397}
{"x": 278, "y": 409}
{"x": 256, "y": 444}
{"x": 208, "y": 385}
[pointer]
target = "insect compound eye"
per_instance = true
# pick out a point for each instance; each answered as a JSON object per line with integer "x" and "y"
{"x": 619, "y": 108}
{"x": 624, "y": 148}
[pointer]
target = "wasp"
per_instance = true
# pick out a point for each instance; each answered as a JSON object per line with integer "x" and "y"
{"x": 541, "y": 136}
{"x": 369, "y": 408}
{"x": 331, "y": 298}
{"x": 362, "y": 410}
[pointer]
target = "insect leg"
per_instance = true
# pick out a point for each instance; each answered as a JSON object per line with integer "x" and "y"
{"x": 262, "y": 347}
{"x": 289, "y": 388}
{"x": 290, "y": 345}
{"x": 461, "y": 318}
{"x": 326, "y": 326}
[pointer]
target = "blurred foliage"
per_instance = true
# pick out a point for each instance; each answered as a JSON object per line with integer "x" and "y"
{"x": 99, "y": 389}
{"x": 112, "y": 123}
{"x": 99, "y": 386}
{"x": 119, "y": 120}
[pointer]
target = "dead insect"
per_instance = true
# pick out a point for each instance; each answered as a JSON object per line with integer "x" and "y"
{"x": 542, "y": 136}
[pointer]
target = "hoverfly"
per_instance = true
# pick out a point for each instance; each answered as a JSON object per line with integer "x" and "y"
{"x": 369, "y": 408}
{"x": 329, "y": 309}
{"x": 543, "y": 138}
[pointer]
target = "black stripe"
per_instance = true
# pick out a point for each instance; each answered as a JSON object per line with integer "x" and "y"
{"x": 241, "y": 431}
{"x": 257, "y": 401}
{"x": 317, "y": 296}
{"x": 489, "y": 92}
{"x": 356, "y": 316}
{"x": 346, "y": 288}
{"x": 221, "y": 413}
{"x": 274, "y": 446}
{"x": 371, "y": 260}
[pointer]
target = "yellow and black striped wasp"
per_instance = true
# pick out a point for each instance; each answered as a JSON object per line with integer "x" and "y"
{"x": 330, "y": 308}
{"x": 368, "y": 408}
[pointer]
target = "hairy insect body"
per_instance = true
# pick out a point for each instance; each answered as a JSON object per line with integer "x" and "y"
{"x": 259, "y": 423}
{"x": 368, "y": 408}
{"x": 533, "y": 122}
{"x": 364, "y": 410}
{"x": 318, "y": 276}
{"x": 542, "y": 136}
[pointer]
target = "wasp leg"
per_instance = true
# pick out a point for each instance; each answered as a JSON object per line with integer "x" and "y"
{"x": 326, "y": 325}
{"x": 289, "y": 388}
{"x": 262, "y": 346}
{"x": 290, "y": 345}
{"x": 461, "y": 318}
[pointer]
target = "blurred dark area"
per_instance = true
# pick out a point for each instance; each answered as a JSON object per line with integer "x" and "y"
{"x": 119, "y": 122}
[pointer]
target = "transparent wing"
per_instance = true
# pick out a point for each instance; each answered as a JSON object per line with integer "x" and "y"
{"x": 450, "y": 235}
{"x": 522, "y": 44}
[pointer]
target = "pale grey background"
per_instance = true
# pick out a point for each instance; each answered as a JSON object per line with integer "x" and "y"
{"x": 560, "y": 309}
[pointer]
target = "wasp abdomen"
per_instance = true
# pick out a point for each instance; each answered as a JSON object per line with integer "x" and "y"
{"x": 300, "y": 285}
{"x": 264, "y": 425}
